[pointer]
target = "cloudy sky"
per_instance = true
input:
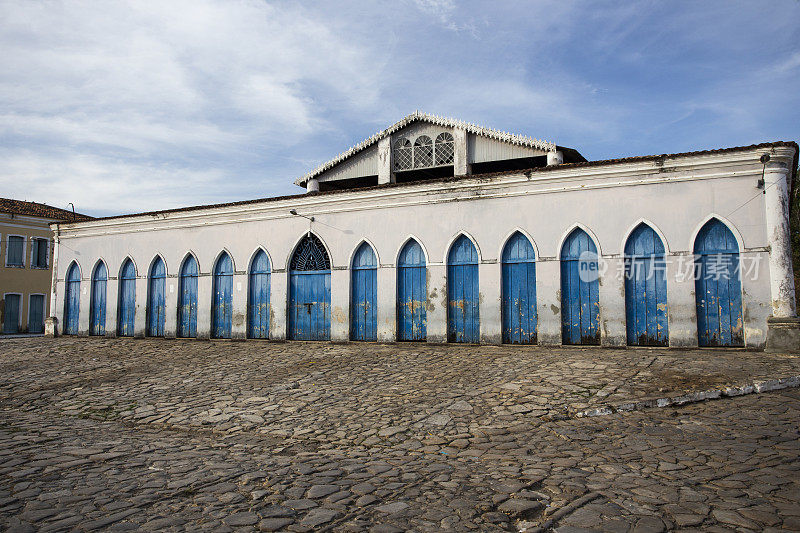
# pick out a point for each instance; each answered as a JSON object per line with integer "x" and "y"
{"x": 131, "y": 106}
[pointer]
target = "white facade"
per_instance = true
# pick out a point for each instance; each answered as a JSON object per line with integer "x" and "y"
{"x": 675, "y": 195}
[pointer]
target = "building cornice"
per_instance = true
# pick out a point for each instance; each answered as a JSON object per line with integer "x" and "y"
{"x": 562, "y": 178}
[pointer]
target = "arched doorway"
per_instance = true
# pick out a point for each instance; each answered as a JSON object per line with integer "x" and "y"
{"x": 156, "y": 293}
{"x": 718, "y": 288}
{"x": 187, "y": 298}
{"x": 97, "y": 321}
{"x": 364, "y": 295}
{"x": 519, "y": 291}
{"x": 127, "y": 299}
{"x": 411, "y": 293}
{"x": 645, "y": 288}
{"x": 258, "y": 297}
{"x": 222, "y": 308}
{"x": 580, "y": 290}
{"x": 463, "y": 318}
{"x": 310, "y": 291}
{"x": 72, "y": 296}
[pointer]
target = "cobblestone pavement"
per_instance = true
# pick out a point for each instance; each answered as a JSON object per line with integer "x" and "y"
{"x": 160, "y": 434}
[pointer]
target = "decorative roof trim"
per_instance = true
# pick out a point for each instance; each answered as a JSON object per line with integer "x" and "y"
{"x": 511, "y": 138}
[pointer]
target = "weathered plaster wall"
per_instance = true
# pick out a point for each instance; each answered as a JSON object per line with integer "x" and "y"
{"x": 675, "y": 196}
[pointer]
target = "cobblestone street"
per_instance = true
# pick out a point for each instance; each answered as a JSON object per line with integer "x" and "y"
{"x": 184, "y": 435}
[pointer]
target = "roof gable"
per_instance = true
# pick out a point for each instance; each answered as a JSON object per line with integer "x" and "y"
{"x": 417, "y": 116}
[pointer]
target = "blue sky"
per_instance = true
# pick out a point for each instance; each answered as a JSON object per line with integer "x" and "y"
{"x": 123, "y": 107}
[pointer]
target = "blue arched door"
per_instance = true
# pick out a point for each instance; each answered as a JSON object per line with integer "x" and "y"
{"x": 156, "y": 304}
{"x": 187, "y": 299}
{"x": 411, "y": 293}
{"x": 645, "y": 288}
{"x": 258, "y": 298}
{"x": 463, "y": 318}
{"x": 580, "y": 290}
{"x": 72, "y": 298}
{"x": 127, "y": 300}
{"x": 222, "y": 308}
{"x": 97, "y": 321}
{"x": 519, "y": 291}
{"x": 364, "y": 295}
{"x": 718, "y": 288}
{"x": 310, "y": 291}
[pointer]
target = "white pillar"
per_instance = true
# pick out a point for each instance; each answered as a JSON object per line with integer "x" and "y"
{"x": 548, "y": 301}
{"x": 681, "y": 302}
{"x": 204, "y": 289}
{"x": 52, "y": 324}
{"x": 340, "y": 304}
{"x": 776, "y": 203}
{"x": 385, "y": 174}
{"x": 278, "y": 300}
{"x": 437, "y": 303}
{"x": 612, "y": 302}
{"x": 490, "y": 290}
{"x": 171, "y": 306}
{"x": 387, "y": 303}
{"x": 312, "y": 185}
{"x": 112, "y": 305}
{"x": 461, "y": 164}
{"x": 140, "y": 312}
{"x": 555, "y": 158}
{"x": 239, "y": 315}
{"x": 84, "y": 303}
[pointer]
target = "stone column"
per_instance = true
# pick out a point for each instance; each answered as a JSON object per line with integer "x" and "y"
{"x": 140, "y": 312}
{"x": 278, "y": 298}
{"x": 204, "y": 289}
{"x": 84, "y": 303}
{"x": 340, "y": 304}
{"x": 612, "y": 302}
{"x": 681, "y": 301}
{"x": 312, "y": 185}
{"x": 783, "y": 326}
{"x": 490, "y": 290}
{"x": 437, "y": 303}
{"x": 171, "y": 306}
{"x": 461, "y": 166}
{"x": 239, "y": 315}
{"x": 387, "y": 303}
{"x": 548, "y": 301}
{"x": 385, "y": 174}
{"x": 51, "y": 324}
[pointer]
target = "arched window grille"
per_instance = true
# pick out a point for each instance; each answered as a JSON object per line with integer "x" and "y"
{"x": 310, "y": 255}
{"x": 423, "y": 152}
{"x": 444, "y": 149}
{"x": 403, "y": 156}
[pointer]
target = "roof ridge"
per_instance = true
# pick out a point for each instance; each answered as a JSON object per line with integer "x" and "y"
{"x": 512, "y": 138}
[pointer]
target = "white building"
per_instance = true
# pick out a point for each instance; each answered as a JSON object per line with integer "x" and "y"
{"x": 440, "y": 230}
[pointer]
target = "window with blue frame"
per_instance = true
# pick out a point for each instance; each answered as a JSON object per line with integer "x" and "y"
{"x": 16, "y": 251}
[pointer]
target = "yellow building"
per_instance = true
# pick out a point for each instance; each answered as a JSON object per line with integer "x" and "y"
{"x": 26, "y": 260}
